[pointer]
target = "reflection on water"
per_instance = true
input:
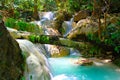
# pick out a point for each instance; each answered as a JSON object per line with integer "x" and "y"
{"x": 65, "y": 69}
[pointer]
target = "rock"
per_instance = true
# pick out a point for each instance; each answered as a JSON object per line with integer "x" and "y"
{"x": 57, "y": 23}
{"x": 36, "y": 63}
{"x": 81, "y": 15}
{"x": 106, "y": 60}
{"x": 84, "y": 26}
{"x": 34, "y": 68}
{"x": 87, "y": 26}
{"x": 61, "y": 16}
{"x": 84, "y": 62}
{"x": 18, "y": 34}
{"x": 74, "y": 24}
{"x": 11, "y": 59}
{"x": 57, "y": 51}
{"x": 37, "y": 70}
{"x": 52, "y": 31}
{"x": 14, "y": 33}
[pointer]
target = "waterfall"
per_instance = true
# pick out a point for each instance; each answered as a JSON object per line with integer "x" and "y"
{"x": 74, "y": 52}
{"x": 63, "y": 68}
{"x": 36, "y": 63}
{"x": 46, "y": 19}
{"x": 42, "y": 49}
{"x": 49, "y": 15}
{"x": 67, "y": 25}
{"x": 45, "y": 22}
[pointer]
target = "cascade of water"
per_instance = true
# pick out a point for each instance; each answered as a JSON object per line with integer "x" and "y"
{"x": 46, "y": 18}
{"x": 74, "y": 52}
{"x": 45, "y": 21}
{"x": 67, "y": 25}
{"x": 42, "y": 50}
{"x": 48, "y": 15}
{"x": 36, "y": 62}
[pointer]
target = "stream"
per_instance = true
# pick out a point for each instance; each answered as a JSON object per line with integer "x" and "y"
{"x": 64, "y": 68}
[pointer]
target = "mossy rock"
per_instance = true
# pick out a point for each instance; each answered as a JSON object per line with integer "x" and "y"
{"x": 11, "y": 59}
{"x": 58, "y": 51}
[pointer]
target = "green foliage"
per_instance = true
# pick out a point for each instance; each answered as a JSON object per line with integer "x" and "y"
{"x": 49, "y": 5}
{"x": 22, "y": 25}
{"x": 43, "y": 5}
{"x": 31, "y": 77}
{"x": 39, "y": 38}
{"x": 117, "y": 49}
{"x": 1, "y": 16}
{"x": 16, "y": 14}
{"x": 112, "y": 36}
{"x": 1, "y": 33}
{"x": 32, "y": 38}
{"x": 117, "y": 62}
{"x": 45, "y": 39}
{"x": 22, "y": 78}
{"x": 92, "y": 50}
{"x": 10, "y": 22}
{"x": 76, "y": 5}
{"x": 24, "y": 4}
{"x": 93, "y": 37}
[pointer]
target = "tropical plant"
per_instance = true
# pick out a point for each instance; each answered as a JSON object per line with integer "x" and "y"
{"x": 113, "y": 39}
{"x": 22, "y": 25}
{"x": 39, "y": 38}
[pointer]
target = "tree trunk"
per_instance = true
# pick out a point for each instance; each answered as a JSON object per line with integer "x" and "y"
{"x": 35, "y": 14}
{"x": 97, "y": 14}
{"x": 3, "y": 3}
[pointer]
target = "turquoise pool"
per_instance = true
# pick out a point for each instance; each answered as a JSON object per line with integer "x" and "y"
{"x": 65, "y": 69}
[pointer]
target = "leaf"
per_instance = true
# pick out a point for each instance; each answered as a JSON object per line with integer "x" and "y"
{"x": 117, "y": 49}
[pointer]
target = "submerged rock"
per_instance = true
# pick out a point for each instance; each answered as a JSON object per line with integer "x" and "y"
{"x": 84, "y": 62}
{"x": 11, "y": 59}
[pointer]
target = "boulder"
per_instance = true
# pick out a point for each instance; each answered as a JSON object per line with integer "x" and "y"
{"x": 81, "y": 15}
{"x": 11, "y": 59}
{"x": 52, "y": 31}
{"x": 18, "y": 34}
{"x": 57, "y": 51}
{"x": 61, "y": 16}
{"x": 84, "y": 26}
